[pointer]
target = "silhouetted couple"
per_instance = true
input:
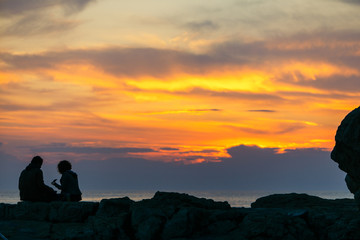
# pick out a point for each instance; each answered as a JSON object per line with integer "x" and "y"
{"x": 32, "y": 186}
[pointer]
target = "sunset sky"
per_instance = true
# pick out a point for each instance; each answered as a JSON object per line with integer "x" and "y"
{"x": 180, "y": 82}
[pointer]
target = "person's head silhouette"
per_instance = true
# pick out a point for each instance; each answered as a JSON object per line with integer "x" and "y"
{"x": 37, "y": 161}
{"x": 63, "y": 166}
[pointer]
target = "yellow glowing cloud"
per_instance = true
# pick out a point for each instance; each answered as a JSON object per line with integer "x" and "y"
{"x": 235, "y": 81}
{"x": 147, "y": 111}
{"x": 312, "y": 70}
{"x": 7, "y": 77}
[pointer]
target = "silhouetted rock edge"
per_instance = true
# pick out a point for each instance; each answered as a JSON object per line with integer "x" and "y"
{"x": 346, "y": 151}
{"x": 181, "y": 216}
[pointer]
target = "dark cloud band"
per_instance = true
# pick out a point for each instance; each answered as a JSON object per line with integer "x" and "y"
{"x": 91, "y": 150}
{"x": 15, "y": 7}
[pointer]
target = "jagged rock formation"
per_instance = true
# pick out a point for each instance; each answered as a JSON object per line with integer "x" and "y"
{"x": 347, "y": 151}
{"x": 180, "y": 216}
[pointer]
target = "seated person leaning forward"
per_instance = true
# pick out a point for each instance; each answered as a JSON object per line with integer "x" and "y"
{"x": 69, "y": 184}
{"x": 31, "y": 183}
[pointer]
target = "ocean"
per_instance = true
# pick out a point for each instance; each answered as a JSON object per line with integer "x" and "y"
{"x": 234, "y": 198}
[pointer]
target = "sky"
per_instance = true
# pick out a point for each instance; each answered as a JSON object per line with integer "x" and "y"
{"x": 215, "y": 94}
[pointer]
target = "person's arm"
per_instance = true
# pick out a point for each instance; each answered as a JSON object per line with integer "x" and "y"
{"x": 54, "y": 183}
{"x": 40, "y": 182}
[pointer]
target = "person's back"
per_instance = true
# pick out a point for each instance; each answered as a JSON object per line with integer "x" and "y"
{"x": 31, "y": 183}
{"x": 29, "y": 186}
{"x": 70, "y": 185}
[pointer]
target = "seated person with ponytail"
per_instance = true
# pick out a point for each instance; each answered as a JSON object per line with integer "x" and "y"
{"x": 69, "y": 184}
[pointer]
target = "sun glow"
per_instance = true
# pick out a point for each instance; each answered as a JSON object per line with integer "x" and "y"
{"x": 175, "y": 108}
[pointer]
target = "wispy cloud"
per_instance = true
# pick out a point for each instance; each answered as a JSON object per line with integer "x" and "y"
{"x": 288, "y": 63}
{"x": 195, "y": 111}
{"x": 169, "y": 149}
{"x": 201, "y": 26}
{"x": 262, "y": 110}
{"x": 35, "y": 24}
{"x": 281, "y": 127}
{"x": 34, "y": 17}
{"x": 356, "y": 2}
{"x": 15, "y": 7}
{"x": 350, "y": 84}
{"x": 260, "y": 97}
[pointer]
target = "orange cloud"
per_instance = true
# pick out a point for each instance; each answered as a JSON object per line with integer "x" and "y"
{"x": 313, "y": 70}
{"x": 163, "y": 98}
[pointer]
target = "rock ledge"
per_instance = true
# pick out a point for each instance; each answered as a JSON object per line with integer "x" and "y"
{"x": 181, "y": 216}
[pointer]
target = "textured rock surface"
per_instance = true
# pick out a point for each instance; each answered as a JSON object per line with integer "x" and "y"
{"x": 347, "y": 151}
{"x": 180, "y": 216}
{"x": 347, "y": 148}
{"x": 302, "y": 201}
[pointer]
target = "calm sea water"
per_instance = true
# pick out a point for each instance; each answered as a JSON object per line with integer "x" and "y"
{"x": 234, "y": 198}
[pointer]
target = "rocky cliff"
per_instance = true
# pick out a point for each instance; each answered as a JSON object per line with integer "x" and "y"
{"x": 181, "y": 216}
{"x": 346, "y": 151}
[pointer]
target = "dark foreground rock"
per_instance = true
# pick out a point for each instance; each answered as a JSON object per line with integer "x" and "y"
{"x": 346, "y": 151}
{"x": 180, "y": 216}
